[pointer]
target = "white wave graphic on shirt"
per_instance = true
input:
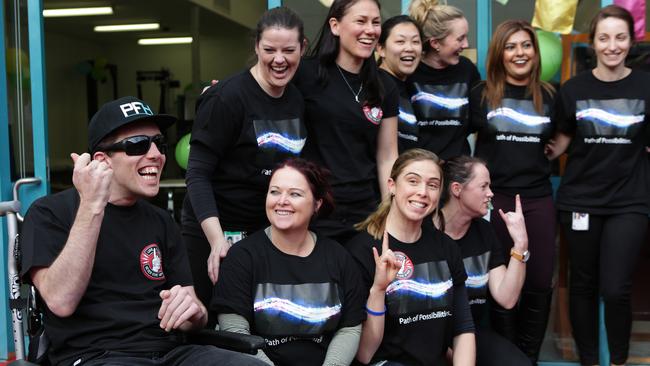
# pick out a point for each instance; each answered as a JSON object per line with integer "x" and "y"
{"x": 607, "y": 118}
{"x": 440, "y": 100}
{"x": 407, "y": 117}
{"x": 423, "y": 287}
{"x": 407, "y": 124}
{"x": 307, "y": 308}
{"x": 478, "y": 277}
{"x": 432, "y": 290}
{"x": 310, "y": 314}
{"x": 477, "y": 281}
{"x": 518, "y": 117}
{"x": 610, "y": 118}
{"x": 277, "y": 140}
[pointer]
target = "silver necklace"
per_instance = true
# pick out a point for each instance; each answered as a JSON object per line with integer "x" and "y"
{"x": 356, "y": 95}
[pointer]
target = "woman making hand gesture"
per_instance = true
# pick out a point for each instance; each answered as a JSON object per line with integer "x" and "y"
{"x": 417, "y": 302}
{"x": 467, "y": 198}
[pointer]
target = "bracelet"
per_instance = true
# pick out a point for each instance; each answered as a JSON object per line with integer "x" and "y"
{"x": 375, "y": 313}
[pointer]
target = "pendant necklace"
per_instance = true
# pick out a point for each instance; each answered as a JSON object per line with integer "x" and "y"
{"x": 356, "y": 95}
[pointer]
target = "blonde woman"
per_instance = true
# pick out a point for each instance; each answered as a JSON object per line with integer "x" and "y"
{"x": 441, "y": 84}
{"x": 417, "y": 302}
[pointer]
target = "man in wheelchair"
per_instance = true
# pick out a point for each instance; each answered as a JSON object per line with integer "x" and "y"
{"x": 110, "y": 266}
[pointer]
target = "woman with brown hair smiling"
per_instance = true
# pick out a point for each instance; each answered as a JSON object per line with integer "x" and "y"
{"x": 604, "y": 197}
{"x": 511, "y": 111}
{"x": 350, "y": 113}
{"x": 245, "y": 125}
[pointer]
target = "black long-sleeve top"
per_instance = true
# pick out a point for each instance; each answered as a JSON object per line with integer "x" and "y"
{"x": 239, "y": 135}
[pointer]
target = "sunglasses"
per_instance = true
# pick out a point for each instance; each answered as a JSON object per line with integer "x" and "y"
{"x": 138, "y": 145}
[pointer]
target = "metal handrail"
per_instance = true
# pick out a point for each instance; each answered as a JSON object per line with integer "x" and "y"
{"x": 16, "y": 191}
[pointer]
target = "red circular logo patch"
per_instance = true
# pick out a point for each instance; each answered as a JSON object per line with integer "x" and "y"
{"x": 406, "y": 271}
{"x": 151, "y": 262}
{"x": 373, "y": 114}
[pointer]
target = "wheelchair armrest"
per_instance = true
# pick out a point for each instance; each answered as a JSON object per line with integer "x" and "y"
{"x": 21, "y": 363}
{"x": 244, "y": 343}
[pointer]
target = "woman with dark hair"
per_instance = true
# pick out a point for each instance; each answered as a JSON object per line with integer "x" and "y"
{"x": 399, "y": 49}
{"x": 441, "y": 84}
{"x": 350, "y": 113}
{"x": 245, "y": 125}
{"x": 299, "y": 291}
{"x": 466, "y": 199}
{"x": 511, "y": 111}
{"x": 417, "y": 301}
{"x": 604, "y": 197}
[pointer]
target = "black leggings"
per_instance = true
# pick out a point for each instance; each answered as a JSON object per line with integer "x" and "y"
{"x": 494, "y": 350}
{"x": 541, "y": 223}
{"x": 601, "y": 262}
{"x": 198, "y": 251}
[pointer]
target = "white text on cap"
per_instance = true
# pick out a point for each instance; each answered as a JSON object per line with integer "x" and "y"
{"x": 135, "y": 108}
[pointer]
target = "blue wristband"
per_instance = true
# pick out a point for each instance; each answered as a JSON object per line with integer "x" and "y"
{"x": 376, "y": 313}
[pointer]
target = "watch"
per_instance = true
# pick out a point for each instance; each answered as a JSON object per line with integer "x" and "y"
{"x": 522, "y": 257}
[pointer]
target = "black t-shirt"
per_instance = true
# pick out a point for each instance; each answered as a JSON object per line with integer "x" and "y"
{"x": 139, "y": 253}
{"x": 342, "y": 136}
{"x": 239, "y": 135}
{"x": 407, "y": 126}
{"x": 511, "y": 140}
{"x": 608, "y": 170}
{"x": 419, "y": 322}
{"x": 295, "y": 303}
{"x": 481, "y": 252}
{"x": 441, "y": 105}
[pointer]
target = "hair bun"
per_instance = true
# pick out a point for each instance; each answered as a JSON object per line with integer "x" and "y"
{"x": 429, "y": 3}
{"x": 419, "y": 9}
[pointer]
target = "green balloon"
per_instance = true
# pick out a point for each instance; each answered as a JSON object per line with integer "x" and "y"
{"x": 550, "y": 52}
{"x": 183, "y": 150}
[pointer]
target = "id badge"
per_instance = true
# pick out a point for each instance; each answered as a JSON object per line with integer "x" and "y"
{"x": 233, "y": 237}
{"x": 580, "y": 221}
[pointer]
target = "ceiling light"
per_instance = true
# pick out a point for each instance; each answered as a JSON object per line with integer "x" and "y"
{"x": 127, "y": 27}
{"x": 158, "y": 41}
{"x": 75, "y": 12}
{"x": 326, "y": 3}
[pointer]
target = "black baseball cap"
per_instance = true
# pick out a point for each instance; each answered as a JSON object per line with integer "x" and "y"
{"x": 121, "y": 112}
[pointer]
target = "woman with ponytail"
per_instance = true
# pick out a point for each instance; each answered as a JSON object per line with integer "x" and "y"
{"x": 350, "y": 112}
{"x": 442, "y": 82}
{"x": 417, "y": 301}
{"x": 466, "y": 198}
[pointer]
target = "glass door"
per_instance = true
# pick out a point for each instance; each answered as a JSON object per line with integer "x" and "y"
{"x": 23, "y": 122}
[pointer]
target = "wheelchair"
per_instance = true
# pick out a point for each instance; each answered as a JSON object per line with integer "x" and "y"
{"x": 26, "y": 307}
